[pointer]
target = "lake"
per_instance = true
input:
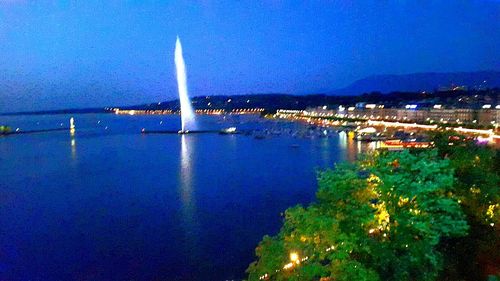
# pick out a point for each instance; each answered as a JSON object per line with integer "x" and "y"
{"x": 112, "y": 204}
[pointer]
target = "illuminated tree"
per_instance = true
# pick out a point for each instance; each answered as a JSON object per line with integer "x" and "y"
{"x": 380, "y": 219}
{"x": 477, "y": 186}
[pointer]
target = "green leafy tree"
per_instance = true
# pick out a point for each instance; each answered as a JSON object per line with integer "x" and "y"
{"x": 477, "y": 186}
{"x": 379, "y": 219}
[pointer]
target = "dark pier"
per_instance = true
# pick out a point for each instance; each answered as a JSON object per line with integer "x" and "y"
{"x": 172, "y": 132}
{"x": 34, "y": 131}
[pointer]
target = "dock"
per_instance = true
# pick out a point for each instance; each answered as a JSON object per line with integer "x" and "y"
{"x": 34, "y": 131}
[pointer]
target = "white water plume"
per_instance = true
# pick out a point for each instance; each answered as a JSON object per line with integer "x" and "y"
{"x": 187, "y": 112}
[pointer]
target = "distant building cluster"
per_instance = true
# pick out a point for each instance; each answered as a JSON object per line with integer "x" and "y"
{"x": 141, "y": 112}
{"x": 239, "y": 111}
{"x": 488, "y": 115}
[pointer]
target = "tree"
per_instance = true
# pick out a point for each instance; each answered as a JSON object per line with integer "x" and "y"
{"x": 477, "y": 186}
{"x": 379, "y": 219}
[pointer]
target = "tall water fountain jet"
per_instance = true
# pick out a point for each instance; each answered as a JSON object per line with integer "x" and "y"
{"x": 187, "y": 112}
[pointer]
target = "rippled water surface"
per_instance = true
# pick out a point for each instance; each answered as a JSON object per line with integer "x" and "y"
{"x": 111, "y": 204}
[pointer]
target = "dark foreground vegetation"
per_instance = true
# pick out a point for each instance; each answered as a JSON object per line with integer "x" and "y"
{"x": 410, "y": 215}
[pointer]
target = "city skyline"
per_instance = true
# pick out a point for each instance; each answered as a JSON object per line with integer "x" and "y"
{"x": 93, "y": 54}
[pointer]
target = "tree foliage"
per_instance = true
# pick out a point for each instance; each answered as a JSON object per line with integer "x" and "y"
{"x": 477, "y": 186}
{"x": 381, "y": 218}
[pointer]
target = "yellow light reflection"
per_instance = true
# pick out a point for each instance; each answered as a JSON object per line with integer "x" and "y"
{"x": 73, "y": 148}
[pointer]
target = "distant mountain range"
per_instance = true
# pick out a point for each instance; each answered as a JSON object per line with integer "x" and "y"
{"x": 428, "y": 81}
{"x": 388, "y": 89}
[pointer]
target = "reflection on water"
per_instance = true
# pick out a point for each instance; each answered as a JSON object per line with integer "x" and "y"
{"x": 73, "y": 148}
{"x": 188, "y": 207}
{"x": 186, "y": 173}
{"x": 353, "y": 148}
{"x": 343, "y": 139}
{"x": 162, "y": 207}
{"x": 358, "y": 145}
{"x": 325, "y": 152}
{"x": 374, "y": 145}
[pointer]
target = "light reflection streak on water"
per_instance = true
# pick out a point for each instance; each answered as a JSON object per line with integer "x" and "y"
{"x": 374, "y": 145}
{"x": 186, "y": 173}
{"x": 325, "y": 152}
{"x": 73, "y": 147}
{"x": 343, "y": 144}
{"x": 343, "y": 140}
{"x": 351, "y": 147}
{"x": 188, "y": 203}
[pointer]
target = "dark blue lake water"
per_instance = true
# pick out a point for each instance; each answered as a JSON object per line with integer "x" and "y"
{"x": 112, "y": 204}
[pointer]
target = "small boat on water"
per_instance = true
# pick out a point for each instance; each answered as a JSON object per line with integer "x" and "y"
{"x": 370, "y": 134}
{"x": 229, "y": 131}
{"x": 403, "y": 144}
{"x": 371, "y": 137}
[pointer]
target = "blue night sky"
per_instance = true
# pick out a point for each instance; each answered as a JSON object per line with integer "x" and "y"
{"x": 60, "y": 54}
